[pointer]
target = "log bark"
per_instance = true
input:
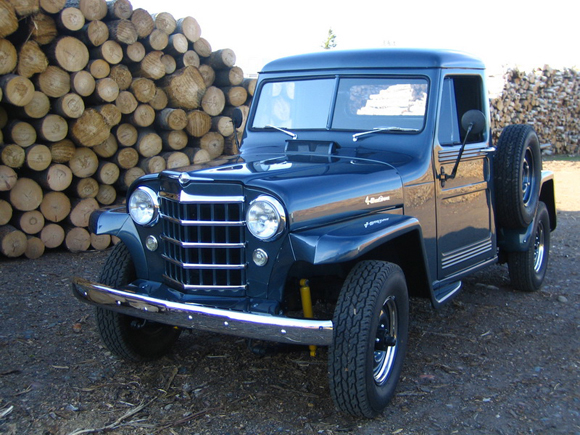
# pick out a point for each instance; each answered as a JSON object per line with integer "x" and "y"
{"x": 107, "y": 195}
{"x": 84, "y": 188}
{"x": 42, "y": 28}
{"x": 229, "y": 77}
{"x": 52, "y": 235}
{"x": 143, "y": 22}
{"x": 71, "y": 19}
{"x": 148, "y": 143}
{"x": 214, "y": 101}
{"x": 94, "y": 34}
{"x": 26, "y": 195}
{"x": 221, "y": 59}
{"x": 171, "y": 119}
{"x": 34, "y": 248}
{"x": 55, "y": 207}
{"x": 189, "y": 27}
{"x": 69, "y": 53}
{"x": 38, "y": 157}
{"x": 143, "y": 116}
{"x": 54, "y": 82}
{"x": 12, "y": 241}
{"x": 108, "y": 148}
{"x": 108, "y": 173}
{"x": 126, "y": 134}
{"x": 12, "y": 156}
{"x": 8, "y": 56}
{"x": 184, "y": 88}
{"x": 174, "y": 140}
{"x": 16, "y": 90}
{"x": 29, "y": 222}
{"x": 69, "y": 106}
{"x": 8, "y": 178}
{"x": 31, "y": 60}
{"x": 119, "y": 9}
{"x": 77, "y": 239}
{"x": 5, "y": 211}
{"x": 198, "y": 123}
{"x": 51, "y": 128}
{"x": 8, "y": 19}
{"x": 153, "y": 165}
{"x": 90, "y": 129}
{"x": 121, "y": 74}
{"x": 84, "y": 163}
{"x": 57, "y": 177}
{"x": 82, "y": 83}
{"x": 126, "y": 158}
{"x": 62, "y": 151}
{"x": 21, "y": 133}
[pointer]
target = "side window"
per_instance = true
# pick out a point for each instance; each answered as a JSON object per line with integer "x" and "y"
{"x": 460, "y": 94}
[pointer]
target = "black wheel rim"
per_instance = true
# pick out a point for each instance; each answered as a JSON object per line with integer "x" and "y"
{"x": 527, "y": 177}
{"x": 385, "y": 342}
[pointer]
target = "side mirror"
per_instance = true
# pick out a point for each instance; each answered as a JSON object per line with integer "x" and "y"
{"x": 473, "y": 121}
{"x": 237, "y": 118}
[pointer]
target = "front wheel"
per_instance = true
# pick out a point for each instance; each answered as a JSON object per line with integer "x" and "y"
{"x": 527, "y": 269}
{"x": 371, "y": 324}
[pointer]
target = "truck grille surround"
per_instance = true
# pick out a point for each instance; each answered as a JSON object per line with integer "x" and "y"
{"x": 204, "y": 246}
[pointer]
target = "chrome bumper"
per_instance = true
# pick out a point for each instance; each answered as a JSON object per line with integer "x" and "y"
{"x": 192, "y": 316}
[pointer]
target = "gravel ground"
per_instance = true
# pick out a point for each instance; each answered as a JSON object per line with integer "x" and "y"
{"x": 493, "y": 361}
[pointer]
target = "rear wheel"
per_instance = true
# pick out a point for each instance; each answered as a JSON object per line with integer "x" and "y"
{"x": 517, "y": 173}
{"x": 129, "y": 337}
{"x": 371, "y": 324}
{"x": 527, "y": 269}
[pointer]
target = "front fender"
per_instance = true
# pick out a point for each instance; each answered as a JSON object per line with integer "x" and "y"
{"x": 116, "y": 222}
{"x": 349, "y": 240}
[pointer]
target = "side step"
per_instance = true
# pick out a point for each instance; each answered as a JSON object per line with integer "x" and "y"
{"x": 443, "y": 293}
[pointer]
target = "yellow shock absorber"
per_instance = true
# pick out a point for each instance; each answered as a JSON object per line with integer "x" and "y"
{"x": 307, "y": 307}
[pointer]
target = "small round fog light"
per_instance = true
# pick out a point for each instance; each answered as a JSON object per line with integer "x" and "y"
{"x": 151, "y": 243}
{"x": 260, "y": 257}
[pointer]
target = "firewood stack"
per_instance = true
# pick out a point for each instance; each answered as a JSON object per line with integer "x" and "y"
{"x": 546, "y": 98}
{"x": 93, "y": 95}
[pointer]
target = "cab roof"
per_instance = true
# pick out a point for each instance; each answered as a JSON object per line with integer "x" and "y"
{"x": 397, "y": 58}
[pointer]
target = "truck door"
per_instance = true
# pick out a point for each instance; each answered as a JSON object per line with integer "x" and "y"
{"x": 464, "y": 214}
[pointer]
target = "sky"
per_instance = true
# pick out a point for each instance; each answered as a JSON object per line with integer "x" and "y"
{"x": 501, "y": 32}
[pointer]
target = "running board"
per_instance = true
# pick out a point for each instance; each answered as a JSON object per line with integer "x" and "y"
{"x": 447, "y": 291}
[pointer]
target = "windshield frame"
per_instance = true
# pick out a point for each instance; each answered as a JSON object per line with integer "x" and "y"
{"x": 416, "y": 76}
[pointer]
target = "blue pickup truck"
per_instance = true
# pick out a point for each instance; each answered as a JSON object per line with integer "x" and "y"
{"x": 363, "y": 178}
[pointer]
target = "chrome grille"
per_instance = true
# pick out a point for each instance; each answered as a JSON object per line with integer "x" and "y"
{"x": 204, "y": 247}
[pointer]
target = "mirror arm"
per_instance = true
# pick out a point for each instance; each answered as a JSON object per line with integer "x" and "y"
{"x": 443, "y": 176}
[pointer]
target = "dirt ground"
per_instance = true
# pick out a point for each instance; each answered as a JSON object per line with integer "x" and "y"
{"x": 495, "y": 361}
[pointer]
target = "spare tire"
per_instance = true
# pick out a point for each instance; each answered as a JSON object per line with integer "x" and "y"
{"x": 517, "y": 176}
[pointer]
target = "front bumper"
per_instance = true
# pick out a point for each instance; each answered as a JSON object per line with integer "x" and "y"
{"x": 193, "y": 316}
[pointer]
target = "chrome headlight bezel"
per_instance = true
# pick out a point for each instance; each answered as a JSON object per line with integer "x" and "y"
{"x": 143, "y": 206}
{"x": 266, "y": 218}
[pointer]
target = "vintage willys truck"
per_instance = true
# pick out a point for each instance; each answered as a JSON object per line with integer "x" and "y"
{"x": 363, "y": 178}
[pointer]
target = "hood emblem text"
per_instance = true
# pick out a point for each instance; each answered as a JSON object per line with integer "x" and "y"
{"x": 370, "y": 200}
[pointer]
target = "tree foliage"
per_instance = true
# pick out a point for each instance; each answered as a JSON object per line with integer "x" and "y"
{"x": 330, "y": 41}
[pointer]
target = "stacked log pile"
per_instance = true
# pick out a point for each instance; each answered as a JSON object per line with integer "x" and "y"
{"x": 93, "y": 95}
{"x": 545, "y": 98}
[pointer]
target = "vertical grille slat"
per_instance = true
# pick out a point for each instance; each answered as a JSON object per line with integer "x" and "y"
{"x": 204, "y": 243}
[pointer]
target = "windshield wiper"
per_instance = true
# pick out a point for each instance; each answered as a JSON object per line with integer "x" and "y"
{"x": 356, "y": 136}
{"x": 289, "y": 133}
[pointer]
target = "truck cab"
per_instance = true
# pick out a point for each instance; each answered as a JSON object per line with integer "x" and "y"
{"x": 363, "y": 178}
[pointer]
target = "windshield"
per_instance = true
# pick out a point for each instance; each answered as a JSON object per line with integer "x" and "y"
{"x": 361, "y": 103}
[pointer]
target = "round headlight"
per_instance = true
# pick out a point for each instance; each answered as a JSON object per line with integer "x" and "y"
{"x": 266, "y": 218}
{"x": 143, "y": 206}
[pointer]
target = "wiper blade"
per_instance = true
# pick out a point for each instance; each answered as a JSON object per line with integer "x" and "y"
{"x": 289, "y": 133}
{"x": 356, "y": 136}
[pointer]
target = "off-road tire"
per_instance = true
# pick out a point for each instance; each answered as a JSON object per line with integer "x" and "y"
{"x": 517, "y": 176}
{"x": 371, "y": 320}
{"x": 129, "y": 337}
{"x": 527, "y": 269}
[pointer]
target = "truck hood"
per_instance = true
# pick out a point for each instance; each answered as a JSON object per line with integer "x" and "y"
{"x": 314, "y": 189}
